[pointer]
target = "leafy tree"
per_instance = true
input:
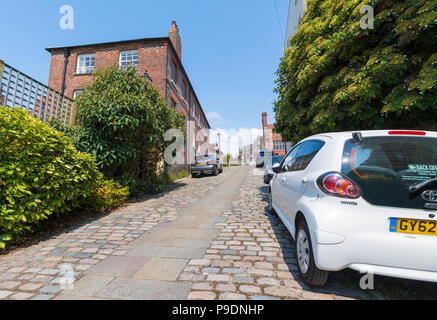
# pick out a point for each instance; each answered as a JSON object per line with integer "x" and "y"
{"x": 228, "y": 157}
{"x": 338, "y": 76}
{"x": 121, "y": 120}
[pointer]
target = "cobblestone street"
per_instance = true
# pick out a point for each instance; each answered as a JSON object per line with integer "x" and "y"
{"x": 206, "y": 238}
{"x": 253, "y": 256}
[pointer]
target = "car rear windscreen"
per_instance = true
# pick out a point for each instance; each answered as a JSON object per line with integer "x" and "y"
{"x": 203, "y": 158}
{"x": 385, "y": 167}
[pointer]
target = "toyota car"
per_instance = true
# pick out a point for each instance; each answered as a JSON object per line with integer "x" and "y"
{"x": 361, "y": 200}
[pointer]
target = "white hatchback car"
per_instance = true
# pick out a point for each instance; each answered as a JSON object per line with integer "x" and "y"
{"x": 364, "y": 200}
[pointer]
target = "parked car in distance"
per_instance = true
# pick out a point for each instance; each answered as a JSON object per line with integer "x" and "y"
{"x": 263, "y": 157}
{"x": 209, "y": 164}
{"x": 259, "y": 162}
{"x": 268, "y": 172}
{"x": 365, "y": 201}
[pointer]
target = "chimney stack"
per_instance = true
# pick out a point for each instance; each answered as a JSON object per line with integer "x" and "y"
{"x": 173, "y": 34}
{"x": 264, "y": 119}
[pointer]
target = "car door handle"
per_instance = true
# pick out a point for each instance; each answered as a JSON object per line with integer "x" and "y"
{"x": 305, "y": 180}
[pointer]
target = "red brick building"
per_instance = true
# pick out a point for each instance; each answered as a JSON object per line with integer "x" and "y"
{"x": 159, "y": 59}
{"x": 271, "y": 140}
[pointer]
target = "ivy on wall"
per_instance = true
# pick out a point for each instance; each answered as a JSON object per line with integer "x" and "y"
{"x": 337, "y": 76}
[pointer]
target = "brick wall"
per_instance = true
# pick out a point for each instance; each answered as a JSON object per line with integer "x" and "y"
{"x": 160, "y": 57}
{"x": 269, "y": 137}
{"x": 152, "y": 56}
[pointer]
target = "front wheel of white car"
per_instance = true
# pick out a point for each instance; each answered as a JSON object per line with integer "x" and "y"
{"x": 305, "y": 258}
{"x": 271, "y": 210}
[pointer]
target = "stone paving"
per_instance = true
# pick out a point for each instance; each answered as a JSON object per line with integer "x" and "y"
{"x": 253, "y": 256}
{"x": 206, "y": 239}
{"x": 37, "y": 272}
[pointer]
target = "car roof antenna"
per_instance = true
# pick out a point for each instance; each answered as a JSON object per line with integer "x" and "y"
{"x": 358, "y": 137}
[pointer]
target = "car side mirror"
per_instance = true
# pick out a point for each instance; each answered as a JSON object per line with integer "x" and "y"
{"x": 276, "y": 168}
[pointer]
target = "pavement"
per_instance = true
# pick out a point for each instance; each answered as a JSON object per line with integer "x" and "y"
{"x": 204, "y": 239}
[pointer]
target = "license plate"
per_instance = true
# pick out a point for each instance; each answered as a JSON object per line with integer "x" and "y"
{"x": 201, "y": 164}
{"x": 413, "y": 226}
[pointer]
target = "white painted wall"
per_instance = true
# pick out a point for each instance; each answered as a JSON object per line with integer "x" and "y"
{"x": 295, "y": 14}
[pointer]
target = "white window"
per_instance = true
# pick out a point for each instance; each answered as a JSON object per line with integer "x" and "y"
{"x": 278, "y": 145}
{"x": 77, "y": 93}
{"x": 85, "y": 63}
{"x": 129, "y": 57}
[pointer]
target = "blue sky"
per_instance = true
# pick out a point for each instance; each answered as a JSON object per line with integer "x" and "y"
{"x": 230, "y": 49}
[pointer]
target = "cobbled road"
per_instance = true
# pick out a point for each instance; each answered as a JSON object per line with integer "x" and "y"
{"x": 205, "y": 238}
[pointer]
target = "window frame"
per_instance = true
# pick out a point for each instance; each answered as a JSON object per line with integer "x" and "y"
{"x": 174, "y": 72}
{"x": 131, "y": 61}
{"x": 173, "y": 103}
{"x": 186, "y": 88}
{"x": 323, "y": 143}
{"x": 278, "y": 145}
{"x": 298, "y": 146}
{"x": 80, "y": 68}
{"x": 75, "y": 93}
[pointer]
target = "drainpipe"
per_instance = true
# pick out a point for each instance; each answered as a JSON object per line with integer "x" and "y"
{"x": 66, "y": 56}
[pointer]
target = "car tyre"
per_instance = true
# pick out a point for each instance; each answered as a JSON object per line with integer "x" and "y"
{"x": 305, "y": 258}
{"x": 271, "y": 209}
{"x": 215, "y": 172}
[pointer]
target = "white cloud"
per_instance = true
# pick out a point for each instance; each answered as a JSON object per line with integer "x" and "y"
{"x": 214, "y": 116}
{"x": 232, "y": 140}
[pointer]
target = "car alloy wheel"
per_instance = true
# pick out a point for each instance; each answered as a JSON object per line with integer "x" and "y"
{"x": 305, "y": 258}
{"x": 303, "y": 251}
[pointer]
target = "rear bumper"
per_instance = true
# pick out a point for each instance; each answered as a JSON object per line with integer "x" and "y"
{"x": 202, "y": 169}
{"x": 396, "y": 272}
{"x": 394, "y": 261}
{"x": 358, "y": 237}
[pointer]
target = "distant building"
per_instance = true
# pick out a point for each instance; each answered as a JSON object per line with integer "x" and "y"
{"x": 295, "y": 14}
{"x": 247, "y": 153}
{"x": 271, "y": 140}
{"x": 158, "y": 59}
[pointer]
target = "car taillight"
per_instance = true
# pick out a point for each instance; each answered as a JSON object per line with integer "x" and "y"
{"x": 337, "y": 185}
{"x": 209, "y": 162}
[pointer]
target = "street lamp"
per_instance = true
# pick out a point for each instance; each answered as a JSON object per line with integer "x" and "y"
{"x": 219, "y": 136}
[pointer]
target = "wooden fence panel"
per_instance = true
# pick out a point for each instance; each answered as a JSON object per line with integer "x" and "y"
{"x": 21, "y": 91}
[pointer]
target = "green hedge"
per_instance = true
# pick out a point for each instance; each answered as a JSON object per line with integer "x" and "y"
{"x": 337, "y": 76}
{"x": 42, "y": 173}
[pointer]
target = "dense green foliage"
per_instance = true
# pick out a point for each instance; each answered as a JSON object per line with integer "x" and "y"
{"x": 109, "y": 194}
{"x": 121, "y": 120}
{"x": 41, "y": 173}
{"x": 338, "y": 76}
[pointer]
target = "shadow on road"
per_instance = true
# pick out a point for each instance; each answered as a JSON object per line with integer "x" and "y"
{"x": 346, "y": 283}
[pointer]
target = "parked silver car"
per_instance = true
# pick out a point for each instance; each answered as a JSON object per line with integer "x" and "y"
{"x": 209, "y": 164}
{"x": 268, "y": 172}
